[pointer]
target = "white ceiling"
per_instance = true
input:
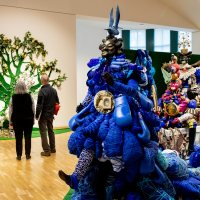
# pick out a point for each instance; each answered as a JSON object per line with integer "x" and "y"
{"x": 188, "y": 10}
{"x": 127, "y": 25}
{"x": 171, "y": 13}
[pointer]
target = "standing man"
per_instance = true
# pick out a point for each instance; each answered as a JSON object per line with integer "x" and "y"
{"x": 47, "y": 98}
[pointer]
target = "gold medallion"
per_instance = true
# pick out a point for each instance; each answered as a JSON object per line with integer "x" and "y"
{"x": 171, "y": 109}
{"x": 104, "y": 101}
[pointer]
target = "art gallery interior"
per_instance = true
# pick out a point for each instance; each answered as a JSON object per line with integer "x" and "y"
{"x": 71, "y": 32}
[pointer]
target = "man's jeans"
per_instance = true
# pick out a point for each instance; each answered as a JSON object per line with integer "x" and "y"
{"x": 44, "y": 125}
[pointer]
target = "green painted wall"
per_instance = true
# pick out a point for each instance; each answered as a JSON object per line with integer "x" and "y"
{"x": 173, "y": 41}
{"x": 150, "y": 39}
{"x": 126, "y": 38}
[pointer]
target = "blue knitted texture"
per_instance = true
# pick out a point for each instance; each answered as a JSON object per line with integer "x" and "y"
{"x": 194, "y": 159}
{"x": 104, "y": 127}
{"x": 177, "y": 168}
{"x": 162, "y": 160}
{"x": 152, "y": 192}
{"x": 189, "y": 187}
{"x": 147, "y": 164}
{"x": 113, "y": 140}
{"x": 85, "y": 188}
{"x": 132, "y": 150}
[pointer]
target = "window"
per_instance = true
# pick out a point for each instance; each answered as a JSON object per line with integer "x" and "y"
{"x": 184, "y": 40}
{"x": 137, "y": 39}
{"x": 162, "y": 40}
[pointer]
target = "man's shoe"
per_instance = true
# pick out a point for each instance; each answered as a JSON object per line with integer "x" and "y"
{"x": 28, "y": 157}
{"x": 53, "y": 151}
{"x": 18, "y": 157}
{"x": 45, "y": 153}
{"x": 64, "y": 177}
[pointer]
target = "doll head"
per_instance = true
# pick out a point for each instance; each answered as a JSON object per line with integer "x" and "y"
{"x": 175, "y": 85}
{"x": 184, "y": 56}
{"x": 111, "y": 46}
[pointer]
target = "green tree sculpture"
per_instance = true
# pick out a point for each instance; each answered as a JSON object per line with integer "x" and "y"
{"x": 19, "y": 56}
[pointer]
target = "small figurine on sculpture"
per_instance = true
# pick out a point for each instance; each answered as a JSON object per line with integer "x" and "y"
{"x": 171, "y": 70}
{"x": 188, "y": 73}
{"x": 180, "y": 68}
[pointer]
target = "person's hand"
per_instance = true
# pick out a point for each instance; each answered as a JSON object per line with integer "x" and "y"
{"x": 176, "y": 121}
{"x": 79, "y": 108}
{"x": 157, "y": 110}
{"x": 108, "y": 78}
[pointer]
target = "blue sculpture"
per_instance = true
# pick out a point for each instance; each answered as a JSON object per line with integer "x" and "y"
{"x": 115, "y": 130}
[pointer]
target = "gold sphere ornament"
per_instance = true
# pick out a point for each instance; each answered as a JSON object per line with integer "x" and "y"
{"x": 174, "y": 76}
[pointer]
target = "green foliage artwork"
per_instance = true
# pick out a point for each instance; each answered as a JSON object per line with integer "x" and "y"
{"x": 24, "y": 59}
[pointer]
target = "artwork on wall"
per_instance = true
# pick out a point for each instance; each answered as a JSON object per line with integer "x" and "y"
{"x": 24, "y": 59}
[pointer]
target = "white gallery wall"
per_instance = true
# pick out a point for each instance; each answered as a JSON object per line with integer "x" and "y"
{"x": 89, "y": 35}
{"x": 196, "y": 42}
{"x": 58, "y": 33}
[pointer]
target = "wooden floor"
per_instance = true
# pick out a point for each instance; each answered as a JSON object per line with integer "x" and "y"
{"x": 35, "y": 178}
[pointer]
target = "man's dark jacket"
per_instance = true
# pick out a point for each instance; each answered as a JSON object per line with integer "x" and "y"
{"x": 47, "y": 98}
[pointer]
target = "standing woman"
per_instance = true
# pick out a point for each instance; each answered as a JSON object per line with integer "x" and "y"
{"x": 21, "y": 113}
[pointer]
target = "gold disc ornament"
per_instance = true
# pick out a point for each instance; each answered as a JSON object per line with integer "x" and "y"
{"x": 104, "y": 102}
{"x": 172, "y": 109}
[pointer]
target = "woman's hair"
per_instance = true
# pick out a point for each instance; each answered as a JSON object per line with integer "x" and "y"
{"x": 20, "y": 88}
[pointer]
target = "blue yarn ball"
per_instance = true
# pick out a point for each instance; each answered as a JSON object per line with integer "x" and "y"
{"x": 189, "y": 187}
{"x": 162, "y": 160}
{"x": 147, "y": 164}
{"x": 132, "y": 150}
{"x": 104, "y": 128}
{"x": 89, "y": 144}
{"x": 194, "y": 159}
{"x": 76, "y": 143}
{"x": 93, "y": 62}
{"x": 113, "y": 141}
{"x": 177, "y": 168}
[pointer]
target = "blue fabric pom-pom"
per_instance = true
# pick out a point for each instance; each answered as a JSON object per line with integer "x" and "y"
{"x": 113, "y": 140}
{"x": 194, "y": 159}
{"x": 93, "y": 62}
{"x": 189, "y": 187}
{"x": 76, "y": 143}
{"x": 147, "y": 164}
{"x": 89, "y": 144}
{"x": 177, "y": 167}
{"x": 132, "y": 150}
{"x": 104, "y": 127}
